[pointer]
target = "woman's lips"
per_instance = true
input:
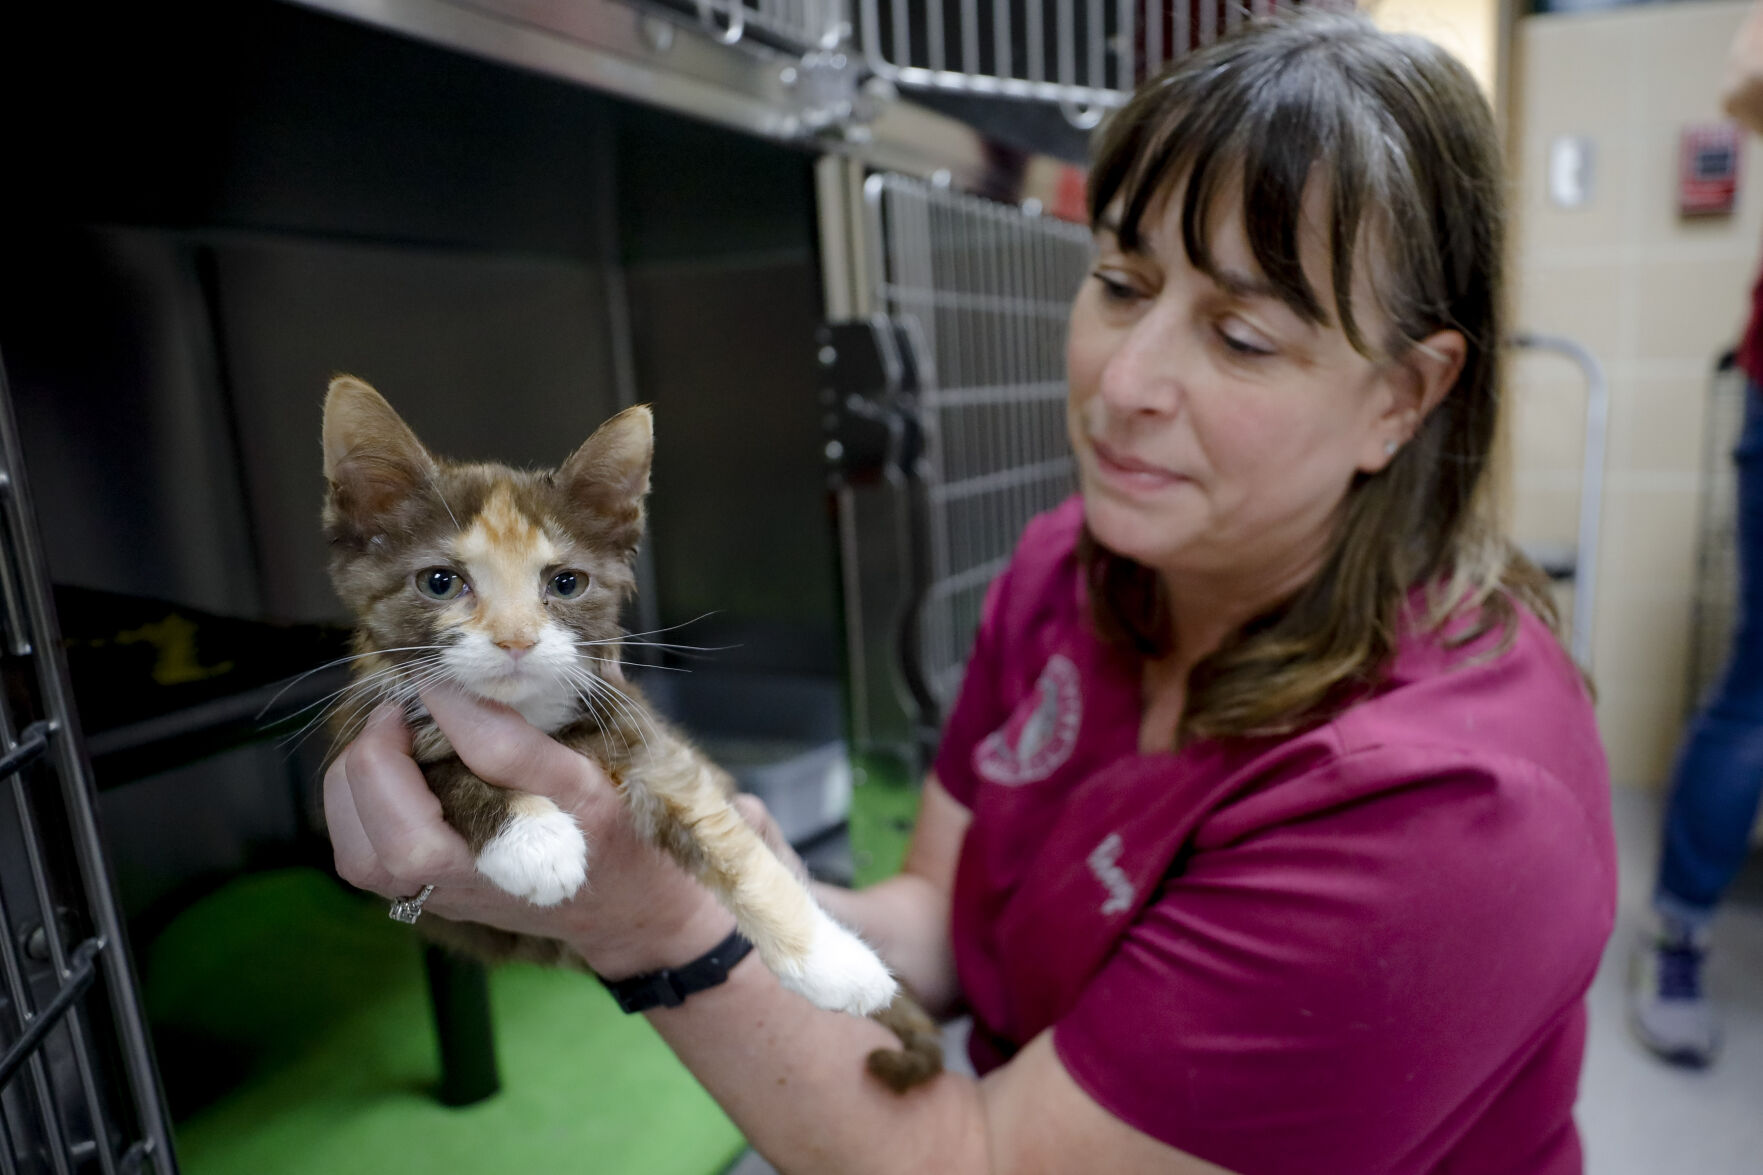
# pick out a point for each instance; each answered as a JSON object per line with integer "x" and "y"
{"x": 1130, "y": 473}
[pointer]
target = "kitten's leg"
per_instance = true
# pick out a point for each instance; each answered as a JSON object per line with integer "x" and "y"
{"x": 525, "y": 844}
{"x": 682, "y": 802}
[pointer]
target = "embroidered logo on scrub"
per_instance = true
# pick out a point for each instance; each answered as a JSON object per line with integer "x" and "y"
{"x": 1041, "y": 734}
{"x": 1104, "y": 863}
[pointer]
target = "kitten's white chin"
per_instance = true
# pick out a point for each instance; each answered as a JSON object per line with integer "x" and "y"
{"x": 546, "y": 704}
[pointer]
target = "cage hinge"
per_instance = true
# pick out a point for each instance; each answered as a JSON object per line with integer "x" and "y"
{"x": 869, "y": 389}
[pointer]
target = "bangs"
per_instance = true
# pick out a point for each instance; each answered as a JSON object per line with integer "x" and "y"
{"x": 1268, "y": 125}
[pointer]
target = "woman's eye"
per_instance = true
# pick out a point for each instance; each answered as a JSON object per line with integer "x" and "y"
{"x": 1242, "y": 343}
{"x": 568, "y": 585}
{"x": 440, "y": 583}
{"x": 1115, "y": 290}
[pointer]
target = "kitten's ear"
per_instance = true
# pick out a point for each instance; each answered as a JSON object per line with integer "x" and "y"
{"x": 372, "y": 461}
{"x": 611, "y": 469}
{"x": 608, "y": 476}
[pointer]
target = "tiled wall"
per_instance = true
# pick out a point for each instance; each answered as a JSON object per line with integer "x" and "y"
{"x": 1656, "y": 298}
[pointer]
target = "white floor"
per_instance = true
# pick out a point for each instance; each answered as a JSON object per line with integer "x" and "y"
{"x": 1640, "y": 1117}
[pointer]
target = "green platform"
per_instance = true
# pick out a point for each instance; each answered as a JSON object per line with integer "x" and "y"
{"x": 311, "y": 1005}
{"x": 292, "y": 1023}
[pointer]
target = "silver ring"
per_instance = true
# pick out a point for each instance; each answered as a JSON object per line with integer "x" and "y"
{"x": 408, "y": 910}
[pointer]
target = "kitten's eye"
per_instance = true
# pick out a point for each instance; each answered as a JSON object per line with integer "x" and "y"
{"x": 440, "y": 583}
{"x": 568, "y": 585}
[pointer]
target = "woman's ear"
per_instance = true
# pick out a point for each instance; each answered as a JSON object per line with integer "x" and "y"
{"x": 1419, "y": 382}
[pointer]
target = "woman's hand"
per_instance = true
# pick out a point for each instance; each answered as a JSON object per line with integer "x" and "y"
{"x": 638, "y": 910}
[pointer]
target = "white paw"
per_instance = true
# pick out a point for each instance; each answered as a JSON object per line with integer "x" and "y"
{"x": 540, "y": 855}
{"x": 840, "y": 972}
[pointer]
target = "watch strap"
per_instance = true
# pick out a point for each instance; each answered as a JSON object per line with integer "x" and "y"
{"x": 669, "y": 987}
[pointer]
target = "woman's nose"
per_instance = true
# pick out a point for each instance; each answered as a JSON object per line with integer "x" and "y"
{"x": 1143, "y": 375}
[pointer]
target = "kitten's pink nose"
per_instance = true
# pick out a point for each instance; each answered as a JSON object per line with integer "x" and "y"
{"x": 516, "y": 648}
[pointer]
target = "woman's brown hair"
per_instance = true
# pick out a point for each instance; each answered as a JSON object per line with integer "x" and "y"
{"x": 1403, "y": 144}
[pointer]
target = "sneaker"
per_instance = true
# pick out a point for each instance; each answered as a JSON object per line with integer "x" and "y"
{"x": 1667, "y": 1009}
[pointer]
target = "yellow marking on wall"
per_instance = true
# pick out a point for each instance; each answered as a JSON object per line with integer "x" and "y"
{"x": 174, "y": 643}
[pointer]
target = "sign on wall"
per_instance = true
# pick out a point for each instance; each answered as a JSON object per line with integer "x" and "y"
{"x": 1708, "y": 169}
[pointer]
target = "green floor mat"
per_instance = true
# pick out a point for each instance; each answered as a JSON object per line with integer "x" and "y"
{"x": 293, "y": 1024}
{"x": 883, "y": 808}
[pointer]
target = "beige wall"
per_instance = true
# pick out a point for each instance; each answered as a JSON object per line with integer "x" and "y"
{"x": 1468, "y": 28}
{"x": 1656, "y": 298}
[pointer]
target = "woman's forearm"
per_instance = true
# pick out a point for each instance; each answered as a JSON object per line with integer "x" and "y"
{"x": 906, "y": 919}
{"x": 793, "y": 1079}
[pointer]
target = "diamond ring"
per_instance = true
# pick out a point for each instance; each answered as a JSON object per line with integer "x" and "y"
{"x": 407, "y": 910}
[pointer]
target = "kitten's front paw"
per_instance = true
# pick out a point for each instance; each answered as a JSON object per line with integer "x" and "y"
{"x": 840, "y": 972}
{"x": 540, "y": 855}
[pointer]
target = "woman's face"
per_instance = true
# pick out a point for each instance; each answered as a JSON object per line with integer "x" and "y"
{"x": 1216, "y": 432}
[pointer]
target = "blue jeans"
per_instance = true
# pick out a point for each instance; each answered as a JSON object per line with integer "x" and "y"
{"x": 1719, "y": 774}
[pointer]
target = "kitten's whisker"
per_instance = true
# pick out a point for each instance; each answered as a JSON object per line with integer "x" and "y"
{"x": 669, "y": 628}
{"x": 635, "y": 638}
{"x": 356, "y": 684}
{"x": 436, "y": 486}
{"x": 601, "y": 714}
{"x": 358, "y": 699}
{"x": 298, "y": 678}
{"x": 347, "y": 727}
{"x": 329, "y": 708}
{"x": 681, "y": 650}
{"x": 641, "y": 644}
{"x": 616, "y": 697}
{"x": 617, "y": 661}
{"x": 587, "y": 689}
{"x": 413, "y": 689}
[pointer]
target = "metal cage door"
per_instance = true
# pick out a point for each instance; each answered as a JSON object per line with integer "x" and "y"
{"x": 1086, "y": 56}
{"x": 78, "y": 1089}
{"x": 946, "y": 399}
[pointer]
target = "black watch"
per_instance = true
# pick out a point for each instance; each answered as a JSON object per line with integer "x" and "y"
{"x": 669, "y": 987}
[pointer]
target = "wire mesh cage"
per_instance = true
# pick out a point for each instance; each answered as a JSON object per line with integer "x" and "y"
{"x": 1086, "y": 54}
{"x": 1714, "y": 611}
{"x": 984, "y": 290}
{"x": 78, "y": 1090}
{"x": 802, "y": 25}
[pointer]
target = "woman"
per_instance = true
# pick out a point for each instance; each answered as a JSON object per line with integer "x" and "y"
{"x": 1270, "y": 830}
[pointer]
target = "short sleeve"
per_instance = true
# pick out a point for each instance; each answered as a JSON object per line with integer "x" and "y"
{"x": 1337, "y": 994}
{"x": 980, "y": 707}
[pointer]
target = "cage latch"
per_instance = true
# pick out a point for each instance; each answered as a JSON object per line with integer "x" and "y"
{"x": 869, "y": 396}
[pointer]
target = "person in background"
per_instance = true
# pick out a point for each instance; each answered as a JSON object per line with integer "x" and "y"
{"x": 1270, "y": 831}
{"x": 1719, "y": 773}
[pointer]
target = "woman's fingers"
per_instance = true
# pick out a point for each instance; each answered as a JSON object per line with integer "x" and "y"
{"x": 503, "y": 748}
{"x": 397, "y": 814}
{"x": 353, "y": 852}
{"x": 752, "y": 809}
{"x": 755, "y": 813}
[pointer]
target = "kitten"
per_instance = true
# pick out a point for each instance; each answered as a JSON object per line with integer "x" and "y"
{"x": 508, "y": 584}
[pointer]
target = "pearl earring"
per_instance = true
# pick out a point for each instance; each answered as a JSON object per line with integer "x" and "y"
{"x": 1390, "y": 447}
